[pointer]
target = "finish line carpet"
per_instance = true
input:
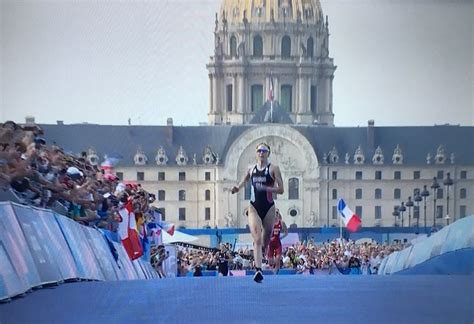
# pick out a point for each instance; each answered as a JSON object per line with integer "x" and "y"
{"x": 279, "y": 299}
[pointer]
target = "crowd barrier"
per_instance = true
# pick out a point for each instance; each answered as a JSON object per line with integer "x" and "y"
{"x": 449, "y": 251}
{"x": 40, "y": 247}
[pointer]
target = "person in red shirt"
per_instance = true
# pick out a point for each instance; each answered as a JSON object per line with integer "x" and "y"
{"x": 274, "y": 247}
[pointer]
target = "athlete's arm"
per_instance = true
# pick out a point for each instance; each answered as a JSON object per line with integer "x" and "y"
{"x": 241, "y": 183}
{"x": 276, "y": 174}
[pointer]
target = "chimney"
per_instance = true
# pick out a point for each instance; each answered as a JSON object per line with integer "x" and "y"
{"x": 59, "y": 122}
{"x": 169, "y": 131}
{"x": 370, "y": 134}
{"x": 29, "y": 120}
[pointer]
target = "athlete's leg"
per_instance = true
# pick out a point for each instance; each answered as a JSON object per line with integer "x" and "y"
{"x": 267, "y": 224}
{"x": 255, "y": 225}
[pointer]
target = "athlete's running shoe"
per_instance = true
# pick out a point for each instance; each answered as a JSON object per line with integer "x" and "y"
{"x": 258, "y": 277}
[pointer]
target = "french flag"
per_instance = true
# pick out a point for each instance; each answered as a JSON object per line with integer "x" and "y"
{"x": 351, "y": 220}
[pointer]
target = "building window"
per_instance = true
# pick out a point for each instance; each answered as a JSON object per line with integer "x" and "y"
{"x": 378, "y": 175}
{"x": 463, "y": 174}
{"x": 256, "y": 97}
{"x": 334, "y": 212}
{"x": 248, "y": 190}
{"x": 378, "y": 212}
{"x": 439, "y": 193}
{"x": 334, "y": 175}
{"x": 463, "y": 193}
{"x": 314, "y": 99}
{"x": 358, "y": 175}
{"x": 439, "y": 212}
{"x": 182, "y": 176}
{"x": 161, "y": 195}
{"x": 378, "y": 193}
{"x": 334, "y": 194}
{"x": 119, "y": 175}
{"x": 207, "y": 194}
{"x": 162, "y": 212}
{"x": 310, "y": 47}
{"x": 182, "y": 195}
{"x": 286, "y": 47}
{"x": 397, "y": 175}
{"x": 207, "y": 213}
{"x": 228, "y": 95}
{"x": 161, "y": 176}
{"x": 397, "y": 193}
{"x": 286, "y": 97}
{"x": 359, "y": 193}
{"x": 440, "y": 174}
{"x": 359, "y": 211}
{"x": 140, "y": 176}
{"x": 416, "y": 174}
{"x": 293, "y": 188}
{"x": 416, "y": 211}
{"x": 462, "y": 211}
{"x": 182, "y": 214}
{"x": 207, "y": 176}
{"x": 257, "y": 46}
{"x": 233, "y": 46}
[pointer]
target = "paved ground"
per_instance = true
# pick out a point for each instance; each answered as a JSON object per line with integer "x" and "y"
{"x": 279, "y": 299}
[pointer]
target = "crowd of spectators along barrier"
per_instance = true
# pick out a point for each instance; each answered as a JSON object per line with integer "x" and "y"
{"x": 40, "y": 247}
{"x": 332, "y": 257}
{"x": 448, "y": 251}
{"x": 33, "y": 173}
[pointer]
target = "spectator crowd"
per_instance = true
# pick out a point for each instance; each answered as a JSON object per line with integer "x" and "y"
{"x": 333, "y": 257}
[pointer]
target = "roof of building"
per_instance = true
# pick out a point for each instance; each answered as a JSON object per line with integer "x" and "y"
{"x": 415, "y": 142}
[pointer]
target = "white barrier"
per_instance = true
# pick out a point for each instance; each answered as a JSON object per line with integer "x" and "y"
{"x": 40, "y": 247}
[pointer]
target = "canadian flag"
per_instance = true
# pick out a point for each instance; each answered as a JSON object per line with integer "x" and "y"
{"x": 127, "y": 232}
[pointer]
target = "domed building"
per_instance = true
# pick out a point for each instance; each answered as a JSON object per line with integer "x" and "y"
{"x": 271, "y": 81}
{"x": 270, "y": 48}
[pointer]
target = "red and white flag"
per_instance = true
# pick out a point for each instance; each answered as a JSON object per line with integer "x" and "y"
{"x": 127, "y": 232}
{"x": 270, "y": 91}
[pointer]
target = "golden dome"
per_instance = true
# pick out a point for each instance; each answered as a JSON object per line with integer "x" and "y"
{"x": 265, "y": 11}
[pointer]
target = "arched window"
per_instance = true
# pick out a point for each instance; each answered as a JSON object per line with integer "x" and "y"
{"x": 310, "y": 47}
{"x": 378, "y": 193}
{"x": 293, "y": 188}
{"x": 257, "y": 97}
{"x": 233, "y": 46}
{"x": 286, "y": 47}
{"x": 286, "y": 97}
{"x": 207, "y": 194}
{"x": 182, "y": 195}
{"x": 257, "y": 46}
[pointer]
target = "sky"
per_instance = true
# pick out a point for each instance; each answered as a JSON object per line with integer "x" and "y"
{"x": 399, "y": 62}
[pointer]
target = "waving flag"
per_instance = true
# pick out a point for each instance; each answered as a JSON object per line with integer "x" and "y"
{"x": 127, "y": 231}
{"x": 351, "y": 220}
{"x": 156, "y": 225}
{"x": 270, "y": 92}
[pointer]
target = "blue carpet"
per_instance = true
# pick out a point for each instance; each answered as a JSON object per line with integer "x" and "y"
{"x": 279, "y": 299}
